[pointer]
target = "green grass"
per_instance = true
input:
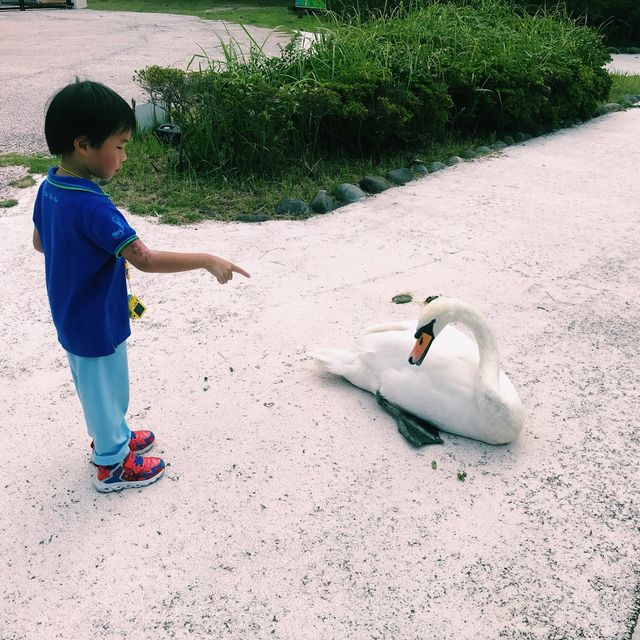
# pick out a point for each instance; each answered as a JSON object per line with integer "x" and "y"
{"x": 273, "y": 14}
{"x": 23, "y": 183}
{"x": 624, "y": 84}
{"x": 6, "y": 204}
{"x": 34, "y": 164}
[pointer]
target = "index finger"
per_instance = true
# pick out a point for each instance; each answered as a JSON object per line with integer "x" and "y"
{"x": 240, "y": 270}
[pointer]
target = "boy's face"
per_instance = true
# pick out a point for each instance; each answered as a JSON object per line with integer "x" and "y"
{"x": 104, "y": 162}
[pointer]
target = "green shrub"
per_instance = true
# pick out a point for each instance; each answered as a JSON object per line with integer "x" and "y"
{"x": 369, "y": 88}
{"x": 261, "y": 114}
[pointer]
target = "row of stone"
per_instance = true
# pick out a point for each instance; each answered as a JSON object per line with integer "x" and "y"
{"x": 372, "y": 184}
{"x": 626, "y": 101}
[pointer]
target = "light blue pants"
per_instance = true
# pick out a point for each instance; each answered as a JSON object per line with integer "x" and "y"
{"x": 103, "y": 388}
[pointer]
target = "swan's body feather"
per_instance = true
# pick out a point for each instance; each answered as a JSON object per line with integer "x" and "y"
{"x": 446, "y": 389}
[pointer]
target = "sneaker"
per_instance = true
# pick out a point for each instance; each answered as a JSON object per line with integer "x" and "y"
{"x": 134, "y": 471}
{"x": 140, "y": 442}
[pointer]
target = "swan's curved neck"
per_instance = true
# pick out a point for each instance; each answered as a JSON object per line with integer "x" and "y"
{"x": 489, "y": 362}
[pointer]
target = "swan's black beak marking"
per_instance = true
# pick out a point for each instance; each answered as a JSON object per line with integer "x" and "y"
{"x": 424, "y": 338}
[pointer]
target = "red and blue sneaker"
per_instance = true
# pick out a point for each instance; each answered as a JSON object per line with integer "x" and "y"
{"x": 134, "y": 471}
{"x": 140, "y": 442}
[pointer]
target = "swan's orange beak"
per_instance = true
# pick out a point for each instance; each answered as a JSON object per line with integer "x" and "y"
{"x": 420, "y": 349}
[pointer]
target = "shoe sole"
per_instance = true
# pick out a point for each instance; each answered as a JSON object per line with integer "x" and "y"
{"x": 138, "y": 453}
{"x": 132, "y": 484}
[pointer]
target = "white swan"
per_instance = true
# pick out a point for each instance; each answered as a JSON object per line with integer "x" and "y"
{"x": 459, "y": 387}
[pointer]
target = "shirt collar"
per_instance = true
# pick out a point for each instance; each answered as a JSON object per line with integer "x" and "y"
{"x": 71, "y": 183}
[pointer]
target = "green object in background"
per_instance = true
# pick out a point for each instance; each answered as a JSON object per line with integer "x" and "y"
{"x": 310, "y": 4}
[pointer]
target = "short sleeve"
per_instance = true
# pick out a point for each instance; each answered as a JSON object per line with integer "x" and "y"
{"x": 37, "y": 208}
{"x": 108, "y": 229}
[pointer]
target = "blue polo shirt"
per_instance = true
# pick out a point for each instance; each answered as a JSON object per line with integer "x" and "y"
{"x": 82, "y": 234}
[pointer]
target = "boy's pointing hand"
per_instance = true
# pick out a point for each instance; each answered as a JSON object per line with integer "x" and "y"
{"x": 223, "y": 270}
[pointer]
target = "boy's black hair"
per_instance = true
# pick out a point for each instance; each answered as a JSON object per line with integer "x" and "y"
{"x": 85, "y": 108}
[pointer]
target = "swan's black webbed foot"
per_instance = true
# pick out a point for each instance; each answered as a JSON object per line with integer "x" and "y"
{"x": 416, "y": 430}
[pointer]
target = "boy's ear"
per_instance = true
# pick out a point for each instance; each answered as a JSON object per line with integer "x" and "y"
{"x": 81, "y": 144}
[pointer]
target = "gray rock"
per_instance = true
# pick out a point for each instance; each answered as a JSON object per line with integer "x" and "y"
{"x": 453, "y": 160}
{"x": 420, "y": 169}
{"x": 323, "y": 202}
{"x": 437, "y": 166}
{"x": 483, "y": 150}
{"x": 293, "y": 207}
{"x": 468, "y": 154}
{"x": 349, "y": 193}
{"x": 399, "y": 176}
{"x": 610, "y": 107}
{"x": 632, "y": 99}
{"x": 498, "y": 145}
{"x": 374, "y": 184}
{"x": 212, "y": 214}
{"x": 509, "y": 140}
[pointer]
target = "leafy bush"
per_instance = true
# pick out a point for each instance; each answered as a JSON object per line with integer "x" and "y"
{"x": 263, "y": 113}
{"x": 368, "y": 88}
{"x": 522, "y": 72}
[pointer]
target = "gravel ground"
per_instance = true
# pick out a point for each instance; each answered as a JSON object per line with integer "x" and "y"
{"x": 7, "y": 176}
{"x": 44, "y": 50}
{"x": 292, "y": 508}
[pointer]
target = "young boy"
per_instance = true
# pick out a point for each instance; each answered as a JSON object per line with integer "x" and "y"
{"x": 85, "y": 241}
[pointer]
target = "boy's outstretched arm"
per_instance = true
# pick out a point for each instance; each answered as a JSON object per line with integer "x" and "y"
{"x": 145, "y": 259}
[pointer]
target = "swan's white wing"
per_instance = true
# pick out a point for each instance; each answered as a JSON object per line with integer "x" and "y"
{"x": 402, "y": 325}
{"x": 386, "y": 350}
{"x": 382, "y": 347}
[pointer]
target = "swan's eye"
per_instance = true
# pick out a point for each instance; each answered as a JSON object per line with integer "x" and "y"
{"x": 425, "y": 328}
